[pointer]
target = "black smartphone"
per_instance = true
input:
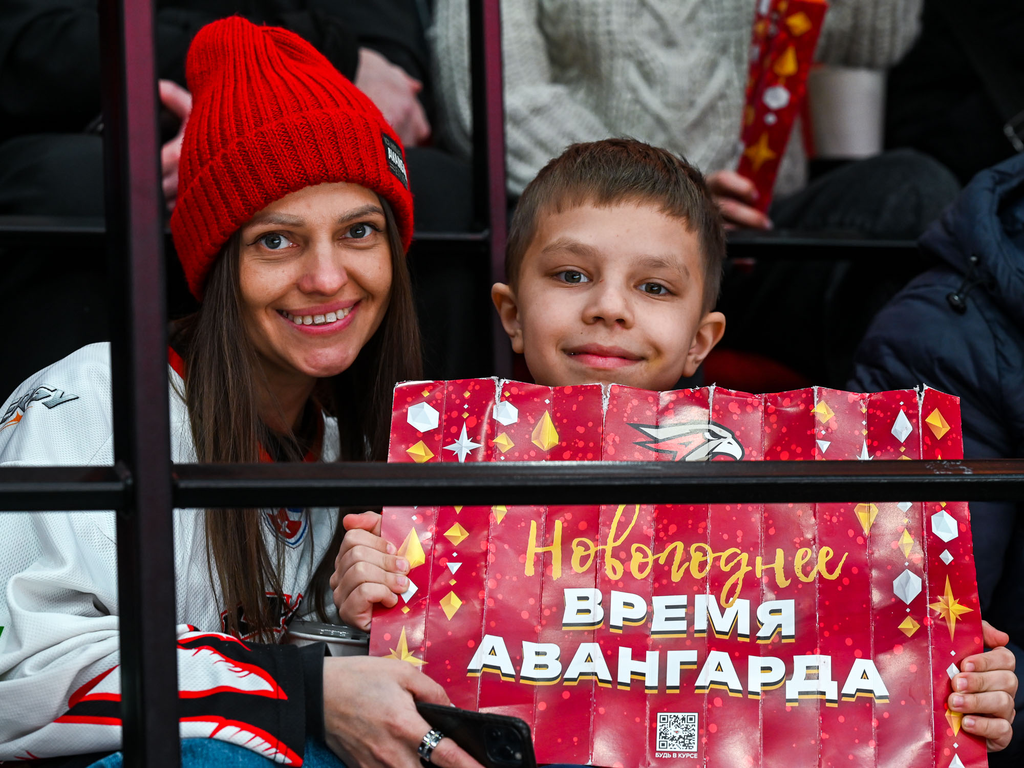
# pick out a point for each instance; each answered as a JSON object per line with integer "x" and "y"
{"x": 494, "y": 741}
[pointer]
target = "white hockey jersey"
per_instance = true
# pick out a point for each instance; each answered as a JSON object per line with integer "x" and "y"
{"x": 60, "y": 686}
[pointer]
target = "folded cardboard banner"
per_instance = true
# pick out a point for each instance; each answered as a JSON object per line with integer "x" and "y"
{"x": 781, "y": 53}
{"x": 727, "y": 634}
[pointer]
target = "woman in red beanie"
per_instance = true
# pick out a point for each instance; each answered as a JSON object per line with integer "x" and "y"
{"x": 292, "y": 222}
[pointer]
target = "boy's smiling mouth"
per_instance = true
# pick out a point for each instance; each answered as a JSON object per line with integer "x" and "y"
{"x": 599, "y": 356}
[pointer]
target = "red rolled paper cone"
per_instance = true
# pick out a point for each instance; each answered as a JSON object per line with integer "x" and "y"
{"x": 782, "y": 49}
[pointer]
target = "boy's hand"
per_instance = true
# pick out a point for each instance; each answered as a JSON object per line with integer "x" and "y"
{"x": 984, "y": 690}
{"x": 366, "y": 571}
{"x": 735, "y": 196}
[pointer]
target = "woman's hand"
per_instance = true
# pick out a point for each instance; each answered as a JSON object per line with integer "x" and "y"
{"x": 736, "y": 196}
{"x": 370, "y": 715}
{"x": 366, "y": 571}
{"x": 984, "y": 691}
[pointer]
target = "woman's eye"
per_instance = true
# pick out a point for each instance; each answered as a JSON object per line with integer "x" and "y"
{"x": 571, "y": 276}
{"x": 361, "y": 231}
{"x": 273, "y": 241}
{"x": 654, "y": 289}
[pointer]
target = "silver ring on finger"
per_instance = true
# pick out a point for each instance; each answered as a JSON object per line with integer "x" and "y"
{"x": 428, "y": 744}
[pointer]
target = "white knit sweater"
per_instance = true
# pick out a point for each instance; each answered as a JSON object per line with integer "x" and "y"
{"x": 669, "y": 72}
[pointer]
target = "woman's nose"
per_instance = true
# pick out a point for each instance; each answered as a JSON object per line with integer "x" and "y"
{"x": 324, "y": 271}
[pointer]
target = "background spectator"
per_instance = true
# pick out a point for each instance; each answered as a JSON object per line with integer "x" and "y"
{"x": 959, "y": 327}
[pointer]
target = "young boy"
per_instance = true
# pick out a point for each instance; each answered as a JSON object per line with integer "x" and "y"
{"x": 614, "y": 260}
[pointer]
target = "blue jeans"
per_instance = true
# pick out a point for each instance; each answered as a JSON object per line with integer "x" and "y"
{"x": 210, "y": 753}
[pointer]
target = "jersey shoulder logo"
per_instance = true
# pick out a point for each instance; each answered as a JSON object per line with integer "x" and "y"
{"x": 51, "y": 397}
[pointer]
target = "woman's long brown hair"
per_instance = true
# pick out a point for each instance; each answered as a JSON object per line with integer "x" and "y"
{"x": 223, "y": 377}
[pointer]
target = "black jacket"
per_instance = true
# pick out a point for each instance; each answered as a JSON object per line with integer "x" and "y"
{"x": 960, "y": 328}
{"x": 50, "y": 62}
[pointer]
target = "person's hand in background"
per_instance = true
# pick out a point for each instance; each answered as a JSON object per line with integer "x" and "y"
{"x": 179, "y": 102}
{"x": 394, "y": 93}
{"x": 736, "y": 196}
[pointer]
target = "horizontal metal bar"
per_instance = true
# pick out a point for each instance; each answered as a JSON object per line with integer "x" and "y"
{"x": 36, "y": 489}
{"x": 358, "y": 484}
{"x": 595, "y": 483}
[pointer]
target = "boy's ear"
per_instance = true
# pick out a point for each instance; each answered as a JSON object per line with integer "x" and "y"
{"x": 708, "y": 334}
{"x": 508, "y": 311}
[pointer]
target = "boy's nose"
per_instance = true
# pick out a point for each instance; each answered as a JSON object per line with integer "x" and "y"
{"x": 324, "y": 271}
{"x": 609, "y": 304}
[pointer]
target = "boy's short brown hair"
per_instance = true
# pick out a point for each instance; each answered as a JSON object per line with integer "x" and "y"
{"x": 615, "y": 171}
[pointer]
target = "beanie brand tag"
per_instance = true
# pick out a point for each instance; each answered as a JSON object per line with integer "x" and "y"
{"x": 395, "y": 161}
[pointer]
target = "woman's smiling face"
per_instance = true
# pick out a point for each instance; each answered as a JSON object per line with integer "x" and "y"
{"x": 315, "y": 278}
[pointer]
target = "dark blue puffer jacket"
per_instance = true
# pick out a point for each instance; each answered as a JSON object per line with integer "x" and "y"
{"x": 978, "y": 355}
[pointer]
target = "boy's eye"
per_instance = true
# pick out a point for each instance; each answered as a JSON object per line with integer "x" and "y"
{"x": 274, "y": 241}
{"x": 654, "y": 289}
{"x": 572, "y": 276}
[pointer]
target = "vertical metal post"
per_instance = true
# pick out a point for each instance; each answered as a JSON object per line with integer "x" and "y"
{"x": 489, "y": 148}
{"x": 139, "y": 365}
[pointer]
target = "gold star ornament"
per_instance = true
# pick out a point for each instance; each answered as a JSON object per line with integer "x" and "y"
{"x": 759, "y": 153}
{"x": 949, "y": 608}
{"x": 402, "y": 652}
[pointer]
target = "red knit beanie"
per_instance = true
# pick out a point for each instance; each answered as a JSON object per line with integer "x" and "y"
{"x": 270, "y": 116}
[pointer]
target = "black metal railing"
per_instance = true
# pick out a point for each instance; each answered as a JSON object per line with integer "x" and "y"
{"x": 144, "y": 487}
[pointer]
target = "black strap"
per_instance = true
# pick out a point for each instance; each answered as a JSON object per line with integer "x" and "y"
{"x": 991, "y": 66}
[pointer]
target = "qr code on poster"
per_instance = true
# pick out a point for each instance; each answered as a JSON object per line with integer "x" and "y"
{"x": 677, "y": 731}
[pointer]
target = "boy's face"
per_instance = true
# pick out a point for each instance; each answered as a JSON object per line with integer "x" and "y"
{"x": 610, "y": 295}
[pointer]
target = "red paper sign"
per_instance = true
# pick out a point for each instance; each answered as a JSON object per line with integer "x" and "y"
{"x": 782, "y": 50}
{"x": 727, "y": 634}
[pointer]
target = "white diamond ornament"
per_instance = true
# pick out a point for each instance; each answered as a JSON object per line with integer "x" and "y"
{"x": 901, "y": 428}
{"x": 955, "y": 762}
{"x": 944, "y": 526}
{"x": 952, "y": 671}
{"x": 407, "y": 595}
{"x": 823, "y": 445}
{"x": 462, "y": 446}
{"x": 907, "y": 586}
{"x": 505, "y": 413}
{"x": 423, "y": 418}
{"x": 946, "y": 557}
{"x": 903, "y": 506}
{"x": 864, "y": 455}
{"x": 453, "y": 567}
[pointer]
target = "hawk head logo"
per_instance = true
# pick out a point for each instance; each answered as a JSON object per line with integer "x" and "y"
{"x": 691, "y": 441}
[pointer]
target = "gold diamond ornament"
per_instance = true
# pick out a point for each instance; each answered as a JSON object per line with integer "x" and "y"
{"x": 456, "y": 534}
{"x": 450, "y": 603}
{"x": 499, "y": 512}
{"x": 799, "y": 24}
{"x": 504, "y": 442}
{"x": 906, "y": 542}
{"x": 545, "y": 436}
{"x": 908, "y": 626}
{"x": 412, "y": 550}
{"x": 937, "y": 424}
{"x": 420, "y": 452}
{"x": 787, "y": 65}
{"x": 866, "y": 513}
{"x": 823, "y": 412}
{"x": 954, "y": 718}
